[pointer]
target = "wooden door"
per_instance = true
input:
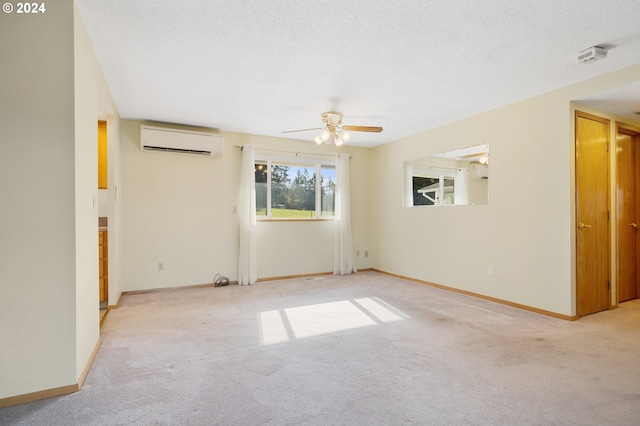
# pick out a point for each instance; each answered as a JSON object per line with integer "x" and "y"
{"x": 592, "y": 214}
{"x": 102, "y": 155}
{"x": 103, "y": 259}
{"x": 627, "y": 222}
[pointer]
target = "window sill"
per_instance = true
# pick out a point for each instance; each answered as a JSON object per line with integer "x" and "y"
{"x": 285, "y": 219}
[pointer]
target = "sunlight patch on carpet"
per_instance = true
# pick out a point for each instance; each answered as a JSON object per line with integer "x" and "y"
{"x": 287, "y": 324}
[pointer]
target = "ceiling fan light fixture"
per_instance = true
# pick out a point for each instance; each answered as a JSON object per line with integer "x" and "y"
{"x": 333, "y": 130}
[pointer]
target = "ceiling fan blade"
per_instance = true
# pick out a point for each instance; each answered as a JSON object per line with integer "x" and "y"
{"x": 474, "y": 155}
{"x": 363, "y": 129}
{"x": 303, "y": 130}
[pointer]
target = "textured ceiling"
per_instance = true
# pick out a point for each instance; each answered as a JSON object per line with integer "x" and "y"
{"x": 264, "y": 67}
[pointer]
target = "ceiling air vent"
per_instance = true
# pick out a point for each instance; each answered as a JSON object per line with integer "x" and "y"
{"x": 591, "y": 54}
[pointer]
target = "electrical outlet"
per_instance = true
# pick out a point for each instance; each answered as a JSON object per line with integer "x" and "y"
{"x": 235, "y": 209}
{"x": 160, "y": 266}
{"x": 357, "y": 252}
{"x": 366, "y": 253}
{"x": 492, "y": 271}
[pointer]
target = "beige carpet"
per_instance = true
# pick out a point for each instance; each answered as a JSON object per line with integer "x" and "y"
{"x": 366, "y": 349}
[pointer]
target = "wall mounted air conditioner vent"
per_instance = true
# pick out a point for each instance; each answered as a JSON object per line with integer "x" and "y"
{"x": 180, "y": 141}
{"x": 478, "y": 171}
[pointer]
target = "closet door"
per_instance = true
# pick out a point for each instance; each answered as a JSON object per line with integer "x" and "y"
{"x": 627, "y": 221}
{"x": 592, "y": 214}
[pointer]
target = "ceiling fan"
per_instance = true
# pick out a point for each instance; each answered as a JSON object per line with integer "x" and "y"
{"x": 479, "y": 153}
{"x": 334, "y": 131}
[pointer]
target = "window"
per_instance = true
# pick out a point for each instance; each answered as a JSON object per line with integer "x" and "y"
{"x": 454, "y": 178}
{"x": 432, "y": 190}
{"x": 293, "y": 190}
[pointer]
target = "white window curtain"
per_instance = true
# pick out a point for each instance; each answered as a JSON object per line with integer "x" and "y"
{"x": 461, "y": 187}
{"x": 343, "y": 263}
{"x": 408, "y": 184}
{"x": 247, "y": 262}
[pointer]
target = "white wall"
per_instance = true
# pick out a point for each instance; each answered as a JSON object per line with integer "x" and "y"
{"x": 49, "y": 324}
{"x": 109, "y": 201}
{"x": 86, "y": 72}
{"x": 526, "y": 232}
{"x": 37, "y": 215}
{"x": 294, "y": 248}
{"x": 103, "y": 203}
{"x": 114, "y": 210}
{"x": 178, "y": 209}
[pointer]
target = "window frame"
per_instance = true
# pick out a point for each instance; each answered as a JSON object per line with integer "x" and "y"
{"x": 433, "y": 173}
{"x": 318, "y": 164}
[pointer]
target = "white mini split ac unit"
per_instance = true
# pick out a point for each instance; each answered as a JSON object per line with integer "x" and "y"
{"x": 181, "y": 141}
{"x": 478, "y": 171}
